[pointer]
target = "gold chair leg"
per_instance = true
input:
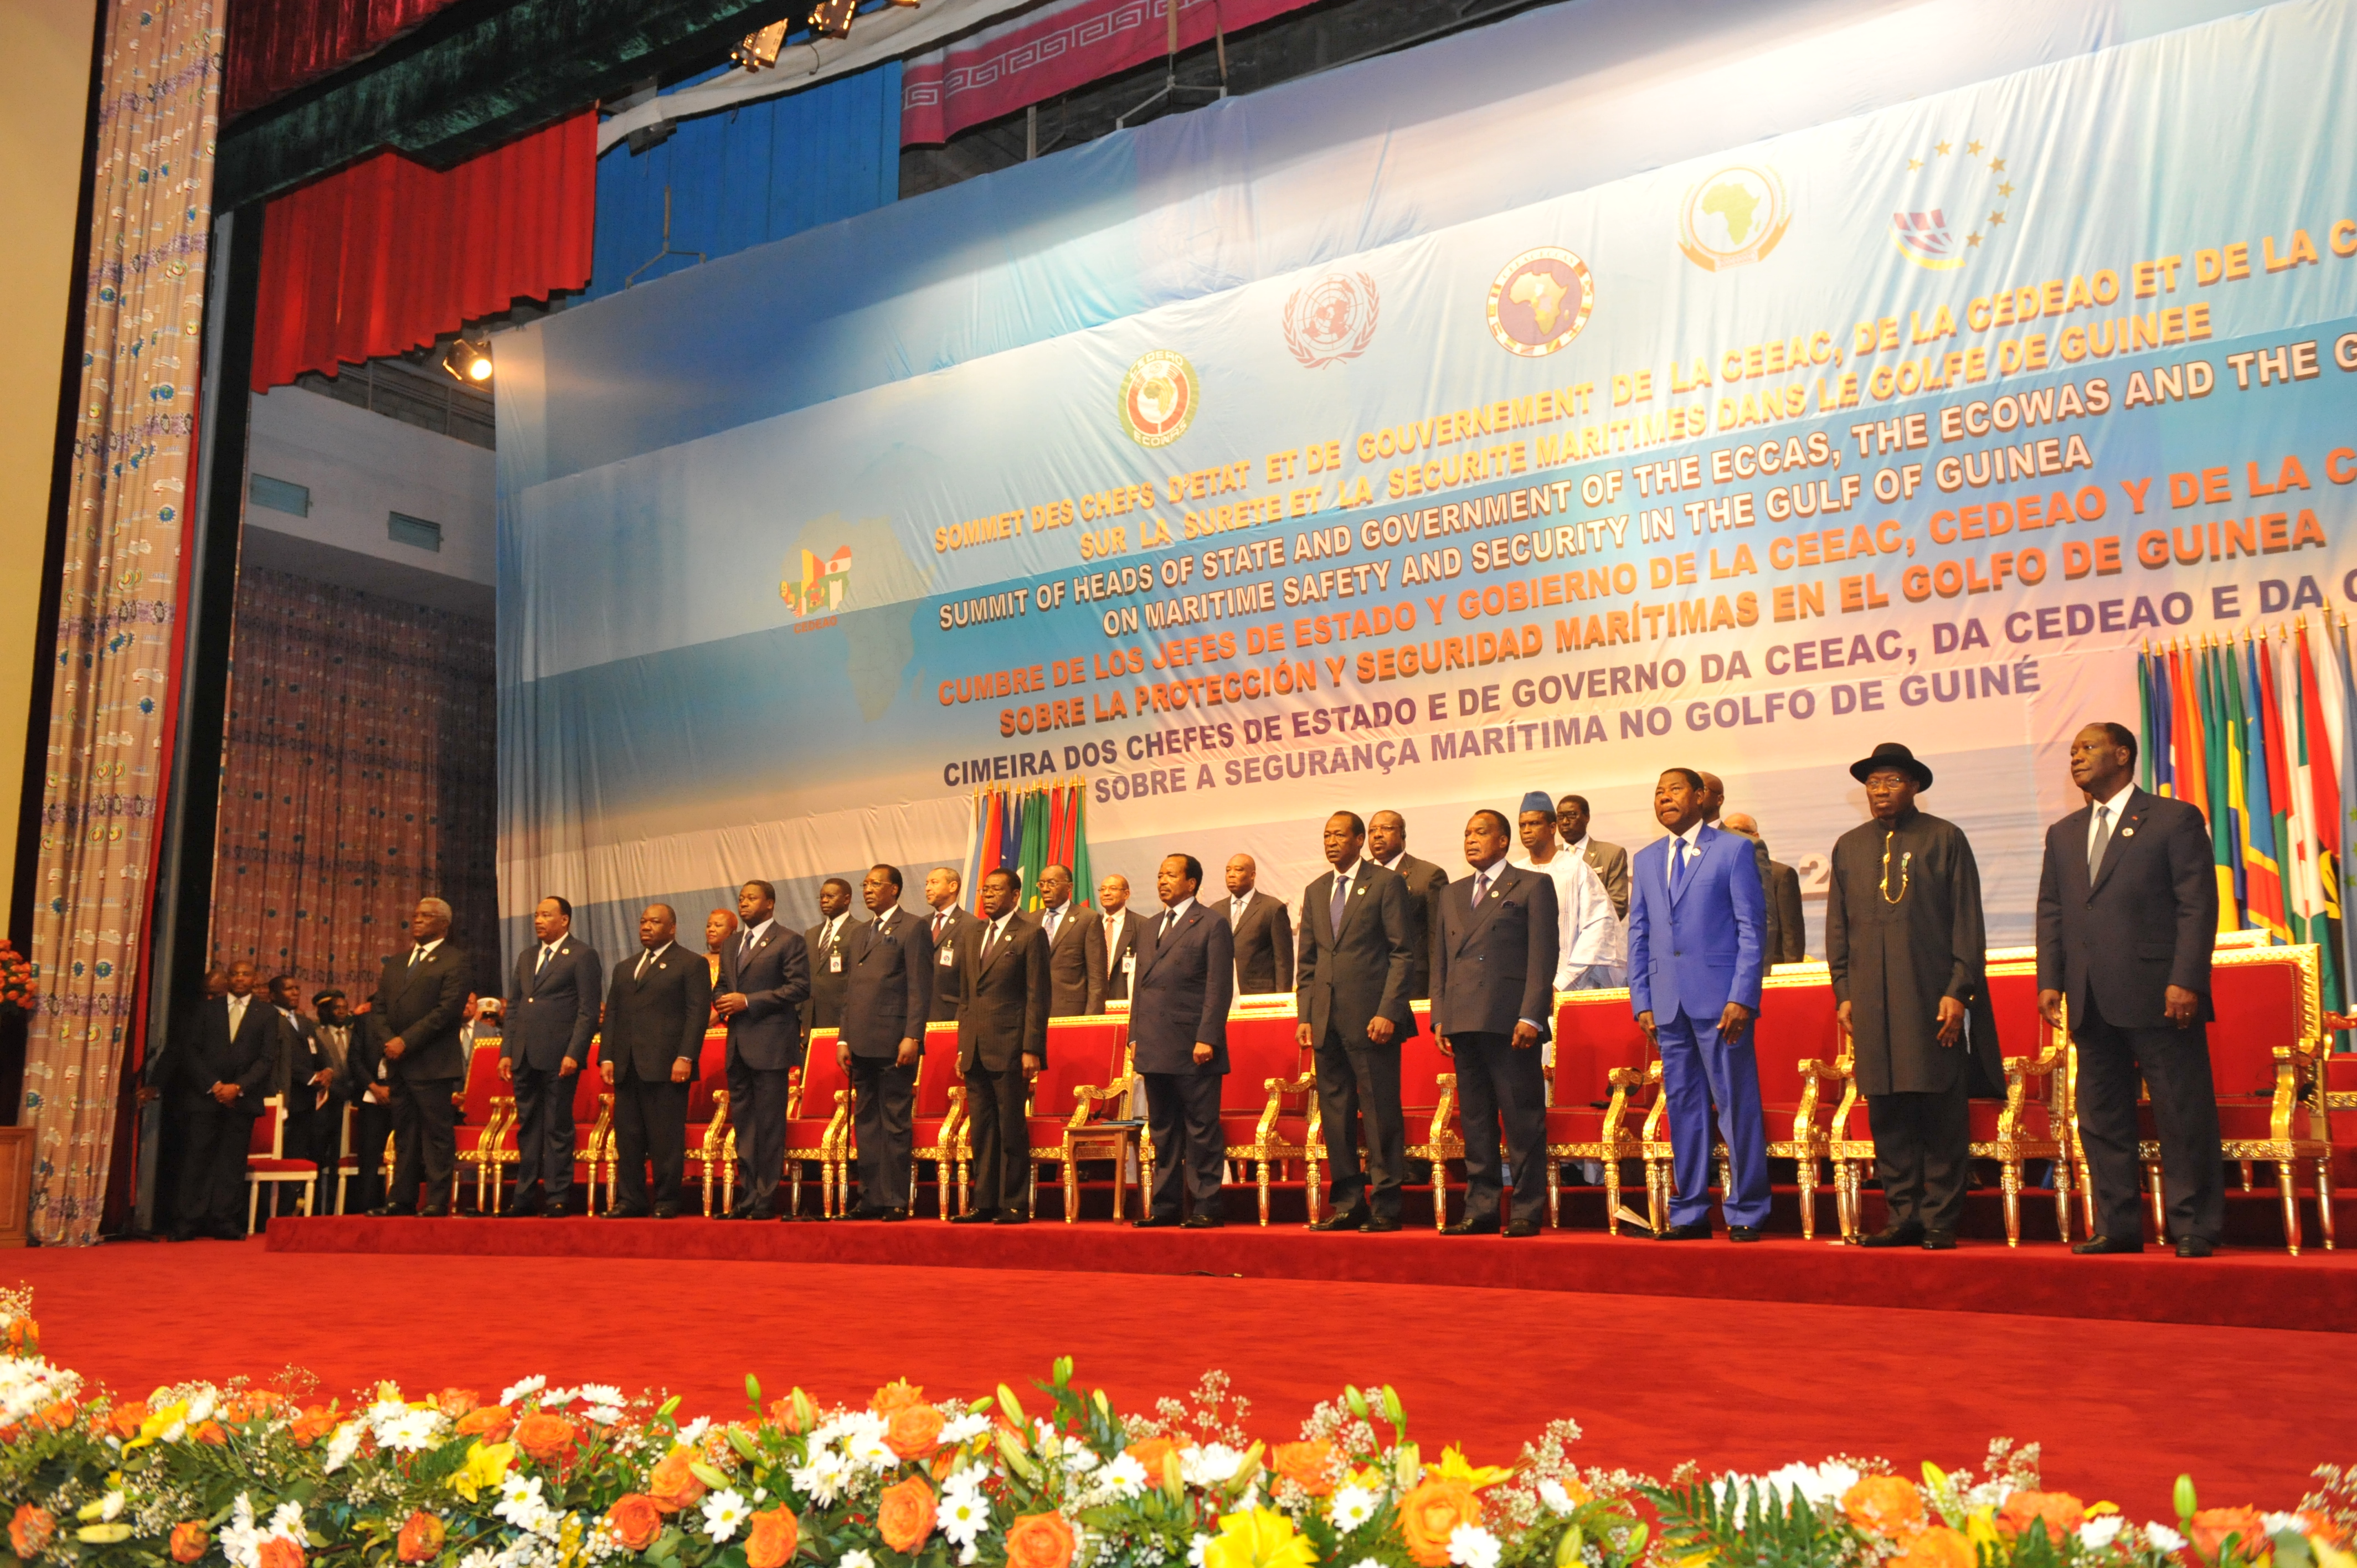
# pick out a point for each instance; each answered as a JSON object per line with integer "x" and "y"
{"x": 2324, "y": 1200}
{"x": 1072, "y": 1192}
{"x": 2290, "y": 1183}
{"x": 1612, "y": 1195}
{"x": 1440, "y": 1195}
{"x": 2010, "y": 1176}
{"x": 2062, "y": 1200}
{"x": 1554, "y": 1193}
{"x": 1261, "y": 1173}
{"x": 2160, "y": 1204}
{"x": 1809, "y": 1199}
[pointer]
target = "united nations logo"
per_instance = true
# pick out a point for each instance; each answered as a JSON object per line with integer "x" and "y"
{"x": 1962, "y": 178}
{"x": 1540, "y": 301}
{"x": 1734, "y": 218}
{"x": 1333, "y": 318}
{"x": 1158, "y": 398}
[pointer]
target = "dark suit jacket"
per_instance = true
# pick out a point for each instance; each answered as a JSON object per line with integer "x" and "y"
{"x": 775, "y": 983}
{"x": 552, "y": 1015}
{"x": 1002, "y": 1002}
{"x": 1179, "y": 997}
{"x": 1611, "y": 864}
{"x": 298, "y": 1059}
{"x": 962, "y": 927}
{"x": 422, "y": 1006}
{"x": 891, "y": 985}
{"x": 208, "y": 1055}
{"x": 1263, "y": 943}
{"x": 828, "y": 985}
{"x": 1494, "y": 966}
{"x": 653, "y": 1021}
{"x": 1425, "y": 881}
{"x": 2149, "y": 921}
{"x": 1790, "y": 923}
{"x": 1364, "y": 972}
{"x": 1113, "y": 984}
{"x": 1076, "y": 986}
{"x": 364, "y": 1056}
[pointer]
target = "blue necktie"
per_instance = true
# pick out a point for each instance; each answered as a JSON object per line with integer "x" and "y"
{"x": 1341, "y": 896}
{"x": 1677, "y": 864}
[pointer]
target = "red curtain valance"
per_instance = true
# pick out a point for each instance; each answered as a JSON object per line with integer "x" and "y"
{"x": 388, "y": 255}
{"x": 276, "y": 46}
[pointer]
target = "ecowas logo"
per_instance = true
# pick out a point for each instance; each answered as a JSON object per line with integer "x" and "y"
{"x": 1333, "y": 318}
{"x": 1540, "y": 300}
{"x": 1734, "y": 218}
{"x": 1158, "y": 398}
{"x": 821, "y": 587}
{"x": 1963, "y": 178}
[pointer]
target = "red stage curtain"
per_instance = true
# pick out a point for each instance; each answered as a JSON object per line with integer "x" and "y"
{"x": 388, "y": 255}
{"x": 276, "y": 46}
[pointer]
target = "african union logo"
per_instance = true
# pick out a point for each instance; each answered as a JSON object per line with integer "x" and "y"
{"x": 1967, "y": 182}
{"x": 1158, "y": 398}
{"x": 1333, "y": 318}
{"x": 1734, "y": 218}
{"x": 1540, "y": 301}
{"x": 821, "y": 587}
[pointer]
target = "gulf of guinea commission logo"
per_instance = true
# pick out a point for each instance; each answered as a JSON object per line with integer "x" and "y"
{"x": 1734, "y": 218}
{"x": 1158, "y": 398}
{"x": 1540, "y": 300}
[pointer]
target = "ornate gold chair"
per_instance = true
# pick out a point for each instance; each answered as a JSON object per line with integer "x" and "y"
{"x": 1268, "y": 1102}
{"x": 1088, "y": 1065}
{"x": 1599, "y": 1093}
{"x": 818, "y": 1128}
{"x": 708, "y": 1162}
{"x": 593, "y": 1130}
{"x": 938, "y": 1129}
{"x": 1428, "y": 1099}
{"x": 2034, "y": 1121}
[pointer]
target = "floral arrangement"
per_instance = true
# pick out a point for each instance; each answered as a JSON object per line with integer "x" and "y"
{"x": 18, "y": 987}
{"x": 578, "y": 1478}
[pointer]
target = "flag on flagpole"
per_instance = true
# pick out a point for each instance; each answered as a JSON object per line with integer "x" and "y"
{"x": 1083, "y": 878}
{"x": 2192, "y": 762}
{"x": 2153, "y": 758}
{"x": 2263, "y": 902}
{"x": 1031, "y": 857}
{"x": 2316, "y": 801}
{"x": 2225, "y": 788}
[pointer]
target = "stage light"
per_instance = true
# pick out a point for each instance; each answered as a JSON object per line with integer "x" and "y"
{"x": 832, "y": 18}
{"x": 759, "y": 51}
{"x": 468, "y": 362}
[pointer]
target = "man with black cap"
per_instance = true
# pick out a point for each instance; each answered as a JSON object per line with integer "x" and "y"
{"x": 1906, "y": 942}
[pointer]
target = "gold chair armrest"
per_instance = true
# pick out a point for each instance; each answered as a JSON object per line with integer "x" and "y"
{"x": 1625, "y": 1077}
{"x": 836, "y": 1139}
{"x": 1443, "y": 1115}
{"x": 715, "y": 1134}
{"x": 1278, "y": 1087}
{"x": 1087, "y": 1094}
{"x": 1617, "y": 1107}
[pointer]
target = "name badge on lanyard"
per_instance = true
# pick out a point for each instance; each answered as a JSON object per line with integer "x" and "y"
{"x": 947, "y": 957}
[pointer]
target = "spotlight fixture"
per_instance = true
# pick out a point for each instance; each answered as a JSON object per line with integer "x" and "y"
{"x": 759, "y": 51}
{"x": 469, "y": 362}
{"x": 832, "y": 18}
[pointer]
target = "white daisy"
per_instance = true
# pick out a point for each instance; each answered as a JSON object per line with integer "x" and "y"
{"x": 963, "y": 1428}
{"x": 2161, "y": 1536}
{"x": 692, "y": 1433}
{"x": 1351, "y": 1506}
{"x": 1195, "y": 1550}
{"x": 342, "y": 1443}
{"x": 604, "y": 1414}
{"x": 724, "y": 1512}
{"x": 856, "y": 1560}
{"x": 1124, "y": 1476}
{"x": 1551, "y": 1493}
{"x": 963, "y": 1515}
{"x": 2100, "y": 1532}
{"x": 515, "y": 1391}
{"x": 1213, "y": 1465}
{"x": 821, "y": 1478}
{"x": 2273, "y": 1523}
{"x": 1471, "y": 1546}
{"x": 411, "y": 1431}
{"x": 601, "y": 1393}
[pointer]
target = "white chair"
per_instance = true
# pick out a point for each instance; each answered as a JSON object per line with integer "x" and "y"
{"x": 266, "y": 1162}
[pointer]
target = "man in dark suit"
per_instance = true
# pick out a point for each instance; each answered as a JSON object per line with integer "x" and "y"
{"x": 830, "y": 949}
{"x": 1610, "y": 860}
{"x": 1002, "y": 987}
{"x": 893, "y": 980}
{"x": 1387, "y": 847}
{"x": 1353, "y": 1003}
{"x": 552, "y": 1012}
{"x": 1493, "y": 960}
{"x": 368, "y": 1086}
{"x": 1178, "y": 1031}
{"x": 948, "y": 928}
{"x": 655, "y": 1012}
{"x": 1113, "y": 941}
{"x": 1262, "y": 933}
{"x": 2127, "y": 915}
{"x": 764, "y": 981}
{"x": 1714, "y": 792}
{"x": 421, "y": 997}
{"x": 1076, "y": 987}
{"x": 225, "y": 1054}
{"x": 297, "y": 1081}
{"x": 1697, "y": 948}
{"x": 1780, "y": 885}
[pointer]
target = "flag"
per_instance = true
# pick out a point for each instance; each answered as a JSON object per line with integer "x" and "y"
{"x": 1084, "y": 880}
{"x": 2191, "y": 768}
{"x": 2225, "y": 788}
{"x": 2152, "y": 757}
{"x": 2263, "y": 900}
{"x": 1032, "y": 853}
{"x": 2316, "y": 811}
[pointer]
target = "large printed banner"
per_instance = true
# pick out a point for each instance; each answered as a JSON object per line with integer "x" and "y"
{"x": 1909, "y": 426}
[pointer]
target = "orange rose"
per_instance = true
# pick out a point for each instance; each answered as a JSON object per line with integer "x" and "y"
{"x": 2323, "y": 1528}
{"x": 126, "y": 1419}
{"x": 1039, "y": 1541}
{"x": 899, "y": 1394}
{"x": 57, "y": 1416}
{"x": 22, "y": 1331}
{"x": 673, "y": 1486}
{"x": 1305, "y": 1464}
{"x": 421, "y": 1538}
{"x": 30, "y": 1532}
{"x": 456, "y": 1403}
{"x": 492, "y": 1422}
{"x": 772, "y": 1541}
{"x": 1887, "y": 1505}
{"x": 1938, "y": 1547}
{"x": 312, "y": 1425}
{"x": 2061, "y": 1512}
{"x": 1430, "y": 1513}
{"x": 1151, "y": 1451}
{"x": 913, "y": 1431}
{"x": 905, "y": 1515}
{"x": 2213, "y": 1526}
{"x": 189, "y": 1539}
{"x": 211, "y": 1436}
{"x": 279, "y": 1553}
{"x": 783, "y": 1416}
{"x": 545, "y": 1437}
{"x": 635, "y": 1520}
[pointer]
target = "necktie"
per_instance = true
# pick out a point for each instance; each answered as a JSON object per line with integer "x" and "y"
{"x": 939, "y": 921}
{"x": 2101, "y": 842}
{"x": 990, "y": 943}
{"x": 1341, "y": 898}
{"x": 1236, "y": 913}
{"x": 1170, "y": 918}
{"x": 643, "y": 958}
{"x": 1677, "y": 864}
{"x": 546, "y": 949}
{"x": 236, "y": 1015}
{"x": 416, "y": 954}
{"x": 1480, "y": 887}
{"x": 1055, "y": 918}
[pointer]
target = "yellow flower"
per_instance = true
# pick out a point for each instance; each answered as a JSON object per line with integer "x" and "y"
{"x": 1982, "y": 1531}
{"x": 1258, "y": 1538}
{"x": 486, "y": 1468}
{"x": 157, "y": 1423}
{"x": 1453, "y": 1467}
{"x": 2328, "y": 1555}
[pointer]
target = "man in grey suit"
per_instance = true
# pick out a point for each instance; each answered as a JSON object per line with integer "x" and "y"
{"x": 829, "y": 942}
{"x": 1353, "y": 1002}
{"x": 1781, "y": 884}
{"x": 764, "y": 981}
{"x": 1262, "y": 934}
{"x": 2127, "y": 916}
{"x": 1493, "y": 962}
{"x": 1611, "y": 861}
{"x": 655, "y": 1014}
{"x": 1179, "y": 1029}
{"x": 1113, "y": 941}
{"x": 949, "y": 929}
{"x": 421, "y": 996}
{"x": 892, "y": 983}
{"x": 1076, "y": 986}
{"x": 1003, "y": 988}
{"x": 1387, "y": 847}
{"x": 552, "y": 1010}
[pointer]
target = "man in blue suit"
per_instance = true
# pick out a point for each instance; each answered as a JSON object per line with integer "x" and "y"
{"x": 1696, "y": 915}
{"x": 764, "y": 981}
{"x": 1178, "y": 1027}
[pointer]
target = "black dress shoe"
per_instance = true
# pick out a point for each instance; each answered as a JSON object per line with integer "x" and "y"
{"x": 1350, "y": 1219}
{"x": 556, "y": 1209}
{"x": 181, "y": 1234}
{"x": 666, "y": 1210}
{"x": 2097, "y": 1246}
{"x": 1154, "y": 1222}
{"x": 1939, "y": 1240}
{"x": 1379, "y": 1226}
{"x": 757, "y": 1212}
{"x": 1699, "y": 1231}
{"x": 893, "y": 1214}
{"x": 1472, "y": 1227}
{"x": 979, "y": 1217}
{"x": 1743, "y": 1232}
{"x": 1894, "y": 1236}
{"x": 391, "y": 1212}
{"x": 435, "y": 1211}
{"x": 2194, "y": 1247}
{"x": 229, "y": 1233}
{"x": 865, "y": 1212}
{"x": 1521, "y": 1227}
{"x": 1201, "y": 1222}
{"x": 1009, "y": 1216}
{"x": 626, "y": 1214}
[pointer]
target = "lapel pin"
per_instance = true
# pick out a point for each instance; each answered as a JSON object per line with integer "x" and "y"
{"x": 2128, "y": 833}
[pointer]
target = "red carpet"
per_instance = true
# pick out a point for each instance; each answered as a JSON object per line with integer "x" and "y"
{"x": 2121, "y": 1407}
{"x": 2244, "y": 1287}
